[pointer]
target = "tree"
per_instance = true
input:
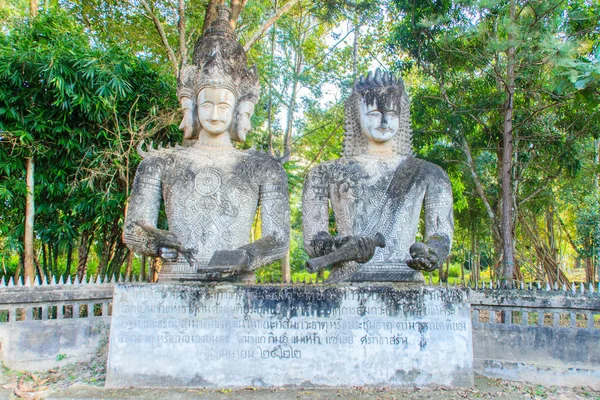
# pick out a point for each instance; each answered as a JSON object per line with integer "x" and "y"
{"x": 67, "y": 103}
{"x": 497, "y": 73}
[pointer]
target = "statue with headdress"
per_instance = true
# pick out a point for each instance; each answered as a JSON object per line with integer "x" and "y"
{"x": 211, "y": 191}
{"x": 377, "y": 191}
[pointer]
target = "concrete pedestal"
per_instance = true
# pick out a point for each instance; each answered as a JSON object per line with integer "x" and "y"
{"x": 166, "y": 335}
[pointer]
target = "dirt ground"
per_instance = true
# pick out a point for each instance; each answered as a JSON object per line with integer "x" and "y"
{"x": 85, "y": 380}
{"x": 81, "y": 382}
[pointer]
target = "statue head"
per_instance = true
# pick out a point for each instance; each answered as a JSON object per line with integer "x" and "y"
{"x": 215, "y": 107}
{"x": 220, "y": 82}
{"x": 377, "y": 111}
{"x": 242, "y": 124}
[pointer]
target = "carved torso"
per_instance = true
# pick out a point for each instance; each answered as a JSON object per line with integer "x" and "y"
{"x": 209, "y": 204}
{"x": 211, "y": 199}
{"x": 357, "y": 189}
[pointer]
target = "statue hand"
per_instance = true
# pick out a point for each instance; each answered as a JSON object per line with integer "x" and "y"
{"x": 229, "y": 261}
{"x": 187, "y": 124}
{"x": 168, "y": 253}
{"x": 423, "y": 258}
{"x": 366, "y": 249}
{"x": 168, "y": 245}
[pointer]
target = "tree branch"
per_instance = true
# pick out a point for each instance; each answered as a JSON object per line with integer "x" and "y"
{"x": 478, "y": 185}
{"x": 236, "y": 9}
{"x": 182, "y": 38}
{"x": 211, "y": 13}
{"x": 163, "y": 37}
{"x": 269, "y": 23}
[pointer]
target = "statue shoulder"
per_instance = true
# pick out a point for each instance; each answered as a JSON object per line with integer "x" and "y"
{"x": 429, "y": 171}
{"x": 263, "y": 167}
{"x": 332, "y": 168}
{"x": 155, "y": 161}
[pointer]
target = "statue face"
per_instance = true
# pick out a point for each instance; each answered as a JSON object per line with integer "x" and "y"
{"x": 215, "y": 109}
{"x": 245, "y": 111}
{"x": 379, "y": 117}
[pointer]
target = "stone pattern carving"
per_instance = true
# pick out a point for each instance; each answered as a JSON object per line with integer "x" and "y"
{"x": 218, "y": 61}
{"x": 211, "y": 191}
{"x": 371, "y": 191}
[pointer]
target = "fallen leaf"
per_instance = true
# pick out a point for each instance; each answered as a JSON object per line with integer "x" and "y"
{"x": 11, "y": 386}
{"x": 26, "y": 389}
{"x": 18, "y": 393}
{"x": 42, "y": 381}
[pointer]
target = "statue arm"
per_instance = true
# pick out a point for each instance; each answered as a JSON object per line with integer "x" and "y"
{"x": 439, "y": 220}
{"x": 315, "y": 214}
{"x": 143, "y": 207}
{"x": 275, "y": 223}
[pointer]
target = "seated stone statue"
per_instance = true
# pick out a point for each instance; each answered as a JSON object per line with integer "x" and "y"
{"x": 211, "y": 191}
{"x": 377, "y": 189}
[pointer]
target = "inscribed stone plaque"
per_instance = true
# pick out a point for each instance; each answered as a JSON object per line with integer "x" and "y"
{"x": 278, "y": 335}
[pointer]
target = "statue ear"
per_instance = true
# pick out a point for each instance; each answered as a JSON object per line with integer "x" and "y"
{"x": 233, "y": 129}
{"x": 197, "y": 126}
{"x": 233, "y": 132}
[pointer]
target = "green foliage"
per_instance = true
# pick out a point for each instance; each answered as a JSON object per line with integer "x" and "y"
{"x": 458, "y": 52}
{"x": 77, "y": 109}
{"x": 79, "y": 89}
{"x": 587, "y": 223}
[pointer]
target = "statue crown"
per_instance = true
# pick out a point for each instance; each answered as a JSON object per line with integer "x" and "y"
{"x": 378, "y": 80}
{"x": 374, "y": 85}
{"x": 220, "y": 61}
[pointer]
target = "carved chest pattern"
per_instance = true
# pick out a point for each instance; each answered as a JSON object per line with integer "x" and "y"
{"x": 210, "y": 204}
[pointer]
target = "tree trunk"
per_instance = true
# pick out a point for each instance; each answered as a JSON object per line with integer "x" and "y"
{"x": 156, "y": 267}
{"x": 44, "y": 257}
{"x": 29, "y": 271}
{"x": 83, "y": 251}
{"x": 286, "y": 272}
{"x": 211, "y": 13}
{"x": 55, "y": 254}
{"x": 117, "y": 260}
{"x": 287, "y": 140}
{"x": 20, "y": 266}
{"x": 507, "y": 149}
{"x": 111, "y": 243}
{"x": 38, "y": 266}
{"x": 589, "y": 269}
{"x": 473, "y": 264}
{"x": 47, "y": 259}
{"x": 270, "y": 104}
{"x": 355, "y": 51}
{"x": 33, "y": 8}
{"x": 236, "y": 9}
{"x": 69, "y": 259}
{"x": 143, "y": 270}
{"x": 130, "y": 256}
{"x": 551, "y": 235}
{"x": 104, "y": 255}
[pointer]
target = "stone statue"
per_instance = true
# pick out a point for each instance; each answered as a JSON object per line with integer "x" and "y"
{"x": 211, "y": 191}
{"x": 378, "y": 187}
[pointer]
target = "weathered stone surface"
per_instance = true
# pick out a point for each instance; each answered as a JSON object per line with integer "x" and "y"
{"x": 38, "y": 344}
{"x": 378, "y": 186}
{"x": 41, "y": 345}
{"x": 211, "y": 191}
{"x": 526, "y": 345}
{"x": 274, "y": 335}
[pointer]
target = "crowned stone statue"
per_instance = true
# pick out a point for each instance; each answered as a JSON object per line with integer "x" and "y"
{"x": 377, "y": 191}
{"x": 211, "y": 190}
